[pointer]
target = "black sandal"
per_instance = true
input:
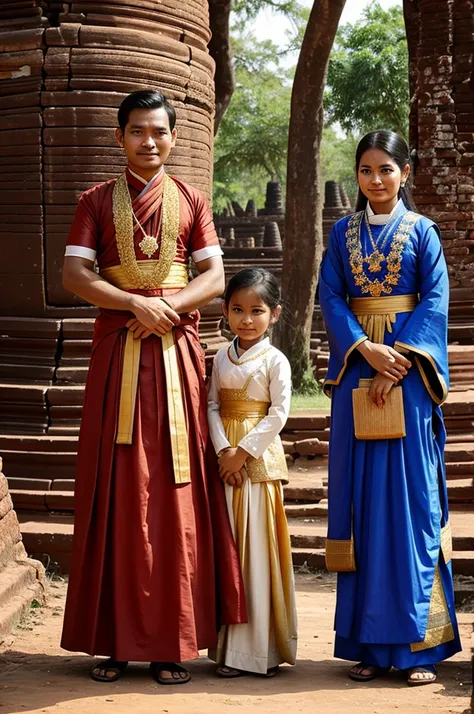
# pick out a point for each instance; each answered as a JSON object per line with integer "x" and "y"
{"x": 420, "y": 682}
{"x": 272, "y": 672}
{"x": 173, "y": 668}
{"x": 375, "y": 672}
{"x": 231, "y": 673}
{"x": 109, "y": 665}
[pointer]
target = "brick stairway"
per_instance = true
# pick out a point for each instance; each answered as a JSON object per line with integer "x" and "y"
{"x": 41, "y": 477}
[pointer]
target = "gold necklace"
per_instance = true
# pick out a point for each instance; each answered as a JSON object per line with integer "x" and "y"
{"x": 123, "y": 222}
{"x": 148, "y": 244}
{"x": 377, "y": 257}
{"x": 394, "y": 259}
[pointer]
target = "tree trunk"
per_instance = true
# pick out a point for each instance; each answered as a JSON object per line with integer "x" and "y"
{"x": 219, "y": 48}
{"x": 413, "y": 27}
{"x": 302, "y": 248}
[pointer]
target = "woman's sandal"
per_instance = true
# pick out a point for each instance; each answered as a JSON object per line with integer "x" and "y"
{"x": 108, "y": 665}
{"x": 272, "y": 672}
{"x": 230, "y": 672}
{"x": 172, "y": 668}
{"x": 420, "y": 681}
{"x": 374, "y": 672}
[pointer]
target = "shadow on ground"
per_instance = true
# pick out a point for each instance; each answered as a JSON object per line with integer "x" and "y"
{"x": 41, "y": 681}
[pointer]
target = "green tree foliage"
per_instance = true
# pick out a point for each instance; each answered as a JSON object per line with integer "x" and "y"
{"x": 251, "y": 144}
{"x": 252, "y": 141}
{"x": 247, "y": 9}
{"x": 367, "y": 83}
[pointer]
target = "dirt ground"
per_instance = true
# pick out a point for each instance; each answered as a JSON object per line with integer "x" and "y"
{"x": 37, "y": 676}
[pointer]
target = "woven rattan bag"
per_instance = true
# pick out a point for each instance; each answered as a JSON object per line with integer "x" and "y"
{"x": 372, "y": 422}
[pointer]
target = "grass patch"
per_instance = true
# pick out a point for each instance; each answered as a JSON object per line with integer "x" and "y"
{"x": 310, "y": 401}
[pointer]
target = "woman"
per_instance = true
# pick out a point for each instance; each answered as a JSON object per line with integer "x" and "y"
{"x": 384, "y": 295}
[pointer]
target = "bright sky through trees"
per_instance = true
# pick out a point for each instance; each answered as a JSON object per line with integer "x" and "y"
{"x": 272, "y": 26}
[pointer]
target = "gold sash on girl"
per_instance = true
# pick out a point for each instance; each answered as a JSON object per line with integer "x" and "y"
{"x": 240, "y": 414}
{"x": 134, "y": 274}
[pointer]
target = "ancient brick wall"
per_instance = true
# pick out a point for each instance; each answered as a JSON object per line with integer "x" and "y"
{"x": 441, "y": 42}
{"x": 21, "y": 579}
{"x": 64, "y": 69}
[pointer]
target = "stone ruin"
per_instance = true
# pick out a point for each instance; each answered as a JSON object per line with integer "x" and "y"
{"x": 252, "y": 236}
{"x": 255, "y": 237}
{"x": 441, "y": 48}
{"x": 21, "y": 579}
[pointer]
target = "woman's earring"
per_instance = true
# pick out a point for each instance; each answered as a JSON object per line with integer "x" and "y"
{"x": 402, "y": 184}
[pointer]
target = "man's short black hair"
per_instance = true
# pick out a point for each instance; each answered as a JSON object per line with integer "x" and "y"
{"x": 145, "y": 99}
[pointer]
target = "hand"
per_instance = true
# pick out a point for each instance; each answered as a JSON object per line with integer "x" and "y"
{"x": 379, "y": 390}
{"x": 231, "y": 461}
{"x": 140, "y": 332}
{"x": 237, "y": 480}
{"x": 229, "y": 480}
{"x": 154, "y": 314}
{"x": 390, "y": 363}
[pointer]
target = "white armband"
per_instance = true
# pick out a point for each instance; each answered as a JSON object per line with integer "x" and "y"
{"x": 79, "y": 251}
{"x": 210, "y": 251}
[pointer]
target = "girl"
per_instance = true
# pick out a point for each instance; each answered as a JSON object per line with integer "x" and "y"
{"x": 249, "y": 402}
{"x": 384, "y": 297}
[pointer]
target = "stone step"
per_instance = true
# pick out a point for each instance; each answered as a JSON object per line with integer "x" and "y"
{"x": 459, "y": 452}
{"x": 51, "y": 534}
{"x": 48, "y": 533}
{"x": 311, "y": 533}
{"x": 460, "y": 492}
{"x": 17, "y": 607}
{"x": 15, "y": 578}
{"x": 27, "y": 499}
{"x": 303, "y": 492}
{"x": 38, "y": 443}
{"x": 306, "y": 510}
{"x": 305, "y": 497}
{"x": 463, "y": 561}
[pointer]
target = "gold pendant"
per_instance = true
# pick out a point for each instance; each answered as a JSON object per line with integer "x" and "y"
{"x": 148, "y": 245}
{"x": 375, "y": 261}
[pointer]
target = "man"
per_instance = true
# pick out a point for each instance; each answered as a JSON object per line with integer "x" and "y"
{"x": 152, "y": 576}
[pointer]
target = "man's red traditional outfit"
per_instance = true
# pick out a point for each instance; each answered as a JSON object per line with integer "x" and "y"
{"x": 154, "y": 569}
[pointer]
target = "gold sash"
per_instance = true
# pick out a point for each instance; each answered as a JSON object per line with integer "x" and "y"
{"x": 375, "y": 315}
{"x": 177, "y": 278}
{"x": 240, "y": 409}
{"x": 118, "y": 276}
{"x": 239, "y": 415}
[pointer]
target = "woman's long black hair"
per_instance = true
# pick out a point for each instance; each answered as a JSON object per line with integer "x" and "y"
{"x": 397, "y": 149}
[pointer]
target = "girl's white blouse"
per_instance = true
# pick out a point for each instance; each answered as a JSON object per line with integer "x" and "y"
{"x": 271, "y": 382}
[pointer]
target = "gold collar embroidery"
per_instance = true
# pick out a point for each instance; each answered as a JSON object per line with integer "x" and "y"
{"x": 240, "y": 362}
{"x": 123, "y": 221}
{"x": 394, "y": 259}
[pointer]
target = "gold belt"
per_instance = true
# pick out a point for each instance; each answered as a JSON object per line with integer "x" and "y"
{"x": 240, "y": 409}
{"x": 174, "y": 395}
{"x": 375, "y": 315}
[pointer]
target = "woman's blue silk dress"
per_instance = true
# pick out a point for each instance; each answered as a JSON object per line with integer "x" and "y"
{"x": 390, "y": 496}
